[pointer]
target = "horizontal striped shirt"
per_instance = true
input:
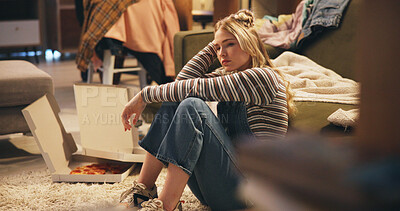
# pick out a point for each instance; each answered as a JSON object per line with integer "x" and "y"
{"x": 261, "y": 89}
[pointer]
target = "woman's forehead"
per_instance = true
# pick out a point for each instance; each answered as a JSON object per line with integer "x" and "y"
{"x": 222, "y": 35}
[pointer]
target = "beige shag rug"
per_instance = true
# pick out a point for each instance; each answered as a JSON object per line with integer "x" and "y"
{"x": 34, "y": 190}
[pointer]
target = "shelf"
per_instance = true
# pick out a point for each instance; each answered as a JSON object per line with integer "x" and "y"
{"x": 19, "y": 33}
{"x": 20, "y": 24}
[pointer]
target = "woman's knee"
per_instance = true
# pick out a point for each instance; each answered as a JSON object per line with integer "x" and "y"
{"x": 192, "y": 108}
{"x": 193, "y": 102}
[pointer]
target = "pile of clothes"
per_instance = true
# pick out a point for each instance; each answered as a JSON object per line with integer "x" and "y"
{"x": 310, "y": 18}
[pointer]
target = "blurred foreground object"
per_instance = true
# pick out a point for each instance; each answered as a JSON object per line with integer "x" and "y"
{"x": 378, "y": 134}
{"x": 361, "y": 173}
{"x": 307, "y": 172}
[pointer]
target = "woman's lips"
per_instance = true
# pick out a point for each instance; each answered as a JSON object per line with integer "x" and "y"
{"x": 225, "y": 62}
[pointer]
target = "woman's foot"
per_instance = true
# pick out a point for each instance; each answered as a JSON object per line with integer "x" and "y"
{"x": 137, "y": 194}
{"x": 157, "y": 205}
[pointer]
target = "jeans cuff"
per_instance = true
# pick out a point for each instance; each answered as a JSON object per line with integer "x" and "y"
{"x": 163, "y": 159}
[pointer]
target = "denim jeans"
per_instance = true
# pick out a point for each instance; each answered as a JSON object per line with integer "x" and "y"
{"x": 190, "y": 136}
{"x": 324, "y": 14}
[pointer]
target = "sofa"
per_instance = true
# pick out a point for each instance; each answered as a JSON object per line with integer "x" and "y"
{"x": 334, "y": 49}
{"x": 21, "y": 83}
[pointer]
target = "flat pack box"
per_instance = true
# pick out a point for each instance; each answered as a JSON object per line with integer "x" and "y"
{"x": 102, "y": 133}
{"x": 58, "y": 147}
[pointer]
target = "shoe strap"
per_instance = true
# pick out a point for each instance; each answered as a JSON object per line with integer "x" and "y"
{"x": 158, "y": 204}
{"x": 153, "y": 203}
{"x": 178, "y": 206}
{"x": 136, "y": 186}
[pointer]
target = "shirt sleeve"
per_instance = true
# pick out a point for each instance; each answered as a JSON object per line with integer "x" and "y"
{"x": 198, "y": 66}
{"x": 257, "y": 86}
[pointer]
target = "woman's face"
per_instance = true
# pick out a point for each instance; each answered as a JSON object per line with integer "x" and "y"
{"x": 229, "y": 53}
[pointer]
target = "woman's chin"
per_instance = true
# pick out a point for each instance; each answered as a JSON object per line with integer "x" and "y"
{"x": 227, "y": 69}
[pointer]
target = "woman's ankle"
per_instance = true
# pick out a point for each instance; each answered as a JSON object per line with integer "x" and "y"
{"x": 169, "y": 206}
{"x": 149, "y": 185}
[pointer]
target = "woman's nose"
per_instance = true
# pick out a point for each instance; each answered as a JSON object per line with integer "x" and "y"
{"x": 222, "y": 52}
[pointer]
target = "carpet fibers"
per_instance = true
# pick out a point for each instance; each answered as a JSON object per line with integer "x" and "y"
{"x": 34, "y": 190}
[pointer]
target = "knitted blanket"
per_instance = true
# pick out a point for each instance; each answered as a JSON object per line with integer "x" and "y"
{"x": 312, "y": 82}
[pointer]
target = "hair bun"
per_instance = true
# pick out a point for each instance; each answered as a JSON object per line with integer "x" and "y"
{"x": 246, "y": 17}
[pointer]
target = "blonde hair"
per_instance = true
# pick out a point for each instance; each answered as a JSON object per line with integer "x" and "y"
{"x": 241, "y": 25}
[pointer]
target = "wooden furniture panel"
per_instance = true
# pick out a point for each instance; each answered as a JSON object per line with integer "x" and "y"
{"x": 70, "y": 29}
{"x": 20, "y": 23}
{"x": 184, "y": 10}
{"x": 63, "y": 29}
{"x": 19, "y": 33}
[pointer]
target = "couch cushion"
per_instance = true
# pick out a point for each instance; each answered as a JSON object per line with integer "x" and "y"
{"x": 312, "y": 116}
{"x": 21, "y": 83}
{"x": 12, "y": 120}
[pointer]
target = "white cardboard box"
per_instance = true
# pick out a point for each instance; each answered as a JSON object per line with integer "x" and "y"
{"x": 102, "y": 133}
{"x": 59, "y": 149}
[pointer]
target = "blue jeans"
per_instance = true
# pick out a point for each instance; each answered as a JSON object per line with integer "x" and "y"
{"x": 190, "y": 136}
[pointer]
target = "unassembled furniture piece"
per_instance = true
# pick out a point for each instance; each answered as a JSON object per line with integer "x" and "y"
{"x": 21, "y": 83}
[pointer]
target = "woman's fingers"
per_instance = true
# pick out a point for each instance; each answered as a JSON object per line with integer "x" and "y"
{"x": 126, "y": 124}
{"x": 135, "y": 119}
{"x": 125, "y": 119}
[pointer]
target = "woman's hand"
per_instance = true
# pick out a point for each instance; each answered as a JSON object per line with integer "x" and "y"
{"x": 135, "y": 106}
{"x": 96, "y": 61}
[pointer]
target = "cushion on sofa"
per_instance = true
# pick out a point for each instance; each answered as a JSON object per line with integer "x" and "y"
{"x": 12, "y": 120}
{"x": 21, "y": 83}
{"x": 312, "y": 116}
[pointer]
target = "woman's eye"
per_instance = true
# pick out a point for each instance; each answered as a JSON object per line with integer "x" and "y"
{"x": 231, "y": 44}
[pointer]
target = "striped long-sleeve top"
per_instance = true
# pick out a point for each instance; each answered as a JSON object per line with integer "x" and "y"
{"x": 262, "y": 90}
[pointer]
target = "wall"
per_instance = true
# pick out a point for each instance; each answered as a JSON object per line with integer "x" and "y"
{"x": 203, "y": 5}
{"x": 208, "y": 4}
{"x": 273, "y": 7}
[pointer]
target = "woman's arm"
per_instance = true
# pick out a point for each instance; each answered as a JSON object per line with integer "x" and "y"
{"x": 199, "y": 64}
{"x": 255, "y": 86}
